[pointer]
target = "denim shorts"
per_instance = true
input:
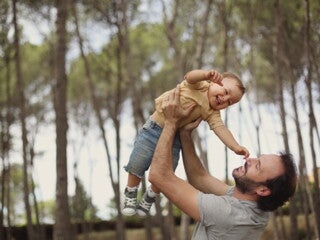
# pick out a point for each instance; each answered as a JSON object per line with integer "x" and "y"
{"x": 144, "y": 147}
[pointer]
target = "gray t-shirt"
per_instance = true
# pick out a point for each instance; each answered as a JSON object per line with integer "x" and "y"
{"x": 226, "y": 217}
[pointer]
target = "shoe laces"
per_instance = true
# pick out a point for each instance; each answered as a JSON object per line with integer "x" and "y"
{"x": 145, "y": 204}
{"x": 130, "y": 201}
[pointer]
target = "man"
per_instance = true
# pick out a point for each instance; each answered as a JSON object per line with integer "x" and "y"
{"x": 223, "y": 212}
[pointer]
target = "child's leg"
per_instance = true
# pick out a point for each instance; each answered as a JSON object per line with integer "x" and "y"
{"x": 148, "y": 198}
{"x": 133, "y": 180}
{"x": 131, "y": 191}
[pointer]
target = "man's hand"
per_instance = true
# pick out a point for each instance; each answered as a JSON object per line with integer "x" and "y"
{"x": 172, "y": 110}
{"x": 188, "y": 128}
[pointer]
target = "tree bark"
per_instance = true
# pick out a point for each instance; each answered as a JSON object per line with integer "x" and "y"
{"x": 62, "y": 228}
{"x": 114, "y": 113}
{"x": 312, "y": 119}
{"x": 22, "y": 118}
{"x": 279, "y": 64}
{"x": 6, "y": 122}
{"x": 224, "y": 15}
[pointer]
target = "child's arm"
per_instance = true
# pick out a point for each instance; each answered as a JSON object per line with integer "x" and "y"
{"x": 198, "y": 75}
{"x": 227, "y": 138}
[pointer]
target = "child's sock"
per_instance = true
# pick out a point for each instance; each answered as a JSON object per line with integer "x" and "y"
{"x": 132, "y": 189}
{"x": 151, "y": 193}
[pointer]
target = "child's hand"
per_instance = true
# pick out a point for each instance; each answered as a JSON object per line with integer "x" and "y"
{"x": 215, "y": 77}
{"x": 240, "y": 150}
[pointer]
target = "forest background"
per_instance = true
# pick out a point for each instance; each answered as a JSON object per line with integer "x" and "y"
{"x": 79, "y": 78}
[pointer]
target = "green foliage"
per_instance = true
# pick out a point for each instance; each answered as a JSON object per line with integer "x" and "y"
{"x": 47, "y": 211}
{"x": 251, "y": 48}
{"x": 81, "y": 205}
{"x": 15, "y": 185}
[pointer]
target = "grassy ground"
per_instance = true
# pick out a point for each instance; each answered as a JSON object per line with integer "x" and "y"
{"x": 139, "y": 234}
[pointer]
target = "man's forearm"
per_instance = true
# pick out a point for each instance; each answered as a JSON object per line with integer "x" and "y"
{"x": 192, "y": 164}
{"x": 161, "y": 165}
{"x": 197, "y": 175}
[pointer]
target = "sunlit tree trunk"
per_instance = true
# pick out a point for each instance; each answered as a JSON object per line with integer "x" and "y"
{"x": 62, "y": 229}
{"x": 22, "y": 118}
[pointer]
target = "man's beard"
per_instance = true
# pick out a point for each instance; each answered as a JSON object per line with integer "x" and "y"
{"x": 244, "y": 184}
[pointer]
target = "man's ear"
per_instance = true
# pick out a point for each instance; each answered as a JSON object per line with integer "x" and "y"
{"x": 263, "y": 191}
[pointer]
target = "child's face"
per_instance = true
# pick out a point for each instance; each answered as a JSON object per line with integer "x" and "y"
{"x": 221, "y": 97}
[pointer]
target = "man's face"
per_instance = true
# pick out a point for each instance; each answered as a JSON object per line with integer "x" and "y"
{"x": 256, "y": 171}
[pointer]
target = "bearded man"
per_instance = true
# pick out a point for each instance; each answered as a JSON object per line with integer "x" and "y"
{"x": 222, "y": 212}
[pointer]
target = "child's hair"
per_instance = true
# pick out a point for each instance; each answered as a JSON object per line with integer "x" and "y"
{"x": 236, "y": 78}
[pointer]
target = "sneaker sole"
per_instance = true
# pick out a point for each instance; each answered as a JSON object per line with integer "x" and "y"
{"x": 129, "y": 213}
{"x": 141, "y": 213}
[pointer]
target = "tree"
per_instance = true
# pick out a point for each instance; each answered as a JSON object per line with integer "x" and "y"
{"x": 82, "y": 209}
{"x": 22, "y": 116}
{"x": 62, "y": 229}
{"x": 312, "y": 118}
{"x": 5, "y": 117}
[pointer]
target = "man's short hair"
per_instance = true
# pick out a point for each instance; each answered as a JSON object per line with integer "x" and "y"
{"x": 281, "y": 187}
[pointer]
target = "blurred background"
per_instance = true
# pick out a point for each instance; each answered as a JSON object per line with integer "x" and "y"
{"x": 78, "y": 79}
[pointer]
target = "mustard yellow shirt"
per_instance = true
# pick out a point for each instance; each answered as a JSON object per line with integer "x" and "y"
{"x": 191, "y": 93}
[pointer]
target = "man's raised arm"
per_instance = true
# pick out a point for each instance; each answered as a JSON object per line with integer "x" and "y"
{"x": 197, "y": 175}
{"x": 161, "y": 172}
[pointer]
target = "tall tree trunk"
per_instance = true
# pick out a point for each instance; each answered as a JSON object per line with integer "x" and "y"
{"x": 40, "y": 231}
{"x": 171, "y": 222}
{"x": 312, "y": 118}
{"x": 278, "y": 49}
{"x": 172, "y": 38}
{"x": 114, "y": 114}
{"x": 200, "y": 46}
{"x": 225, "y": 15}
{"x": 129, "y": 77}
{"x": 251, "y": 26}
{"x": 22, "y": 117}
{"x": 305, "y": 191}
{"x": 2, "y": 180}
{"x": 303, "y": 179}
{"x": 8, "y": 202}
{"x": 6, "y": 122}
{"x": 62, "y": 228}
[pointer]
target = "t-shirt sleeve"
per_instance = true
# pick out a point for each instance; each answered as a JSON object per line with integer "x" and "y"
{"x": 214, "y": 120}
{"x": 214, "y": 210}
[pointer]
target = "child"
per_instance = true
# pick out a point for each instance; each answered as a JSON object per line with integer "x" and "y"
{"x": 211, "y": 92}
